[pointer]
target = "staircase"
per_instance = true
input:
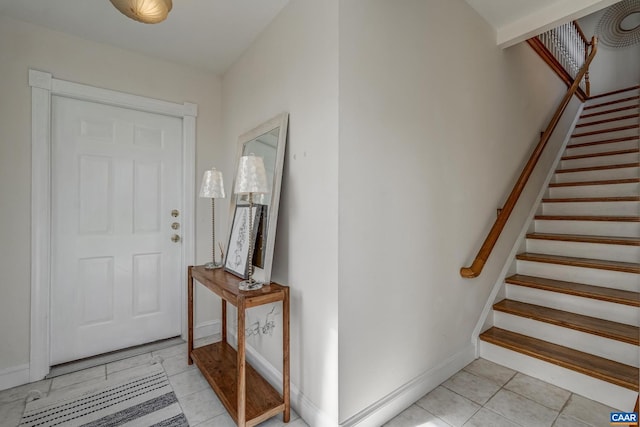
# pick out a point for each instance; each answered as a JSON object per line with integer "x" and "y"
{"x": 571, "y": 314}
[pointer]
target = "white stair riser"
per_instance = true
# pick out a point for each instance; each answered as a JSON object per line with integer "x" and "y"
{"x": 598, "y": 190}
{"x": 589, "y": 276}
{"x": 614, "y": 97}
{"x": 584, "y": 385}
{"x": 624, "y": 253}
{"x": 598, "y": 175}
{"x": 608, "y": 125}
{"x": 606, "y": 310}
{"x": 586, "y": 162}
{"x": 588, "y": 343}
{"x": 590, "y": 228}
{"x": 607, "y": 116}
{"x": 600, "y": 148}
{"x": 578, "y": 136}
{"x": 591, "y": 208}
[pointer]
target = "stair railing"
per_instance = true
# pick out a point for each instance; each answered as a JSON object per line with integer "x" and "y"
{"x": 476, "y": 267}
{"x": 565, "y": 49}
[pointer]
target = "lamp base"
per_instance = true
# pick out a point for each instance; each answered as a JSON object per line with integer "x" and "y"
{"x": 249, "y": 285}
{"x": 212, "y": 265}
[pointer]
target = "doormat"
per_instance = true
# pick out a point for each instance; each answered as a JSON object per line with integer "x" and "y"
{"x": 141, "y": 398}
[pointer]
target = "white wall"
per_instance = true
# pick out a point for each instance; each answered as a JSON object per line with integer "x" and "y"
{"x": 24, "y": 46}
{"x": 293, "y": 67}
{"x": 611, "y": 68}
{"x": 436, "y": 122}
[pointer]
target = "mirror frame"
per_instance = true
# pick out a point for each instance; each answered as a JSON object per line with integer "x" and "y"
{"x": 280, "y": 121}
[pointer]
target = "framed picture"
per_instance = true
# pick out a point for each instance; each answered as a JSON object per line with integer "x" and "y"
{"x": 238, "y": 247}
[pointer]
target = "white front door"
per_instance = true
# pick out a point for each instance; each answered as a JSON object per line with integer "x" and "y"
{"x": 116, "y": 184}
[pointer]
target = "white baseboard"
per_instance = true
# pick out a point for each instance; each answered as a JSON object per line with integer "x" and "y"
{"x": 14, "y": 376}
{"x": 309, "y": 412}
{"x": 207, "y": 329}
{"x": 403, "y": 397}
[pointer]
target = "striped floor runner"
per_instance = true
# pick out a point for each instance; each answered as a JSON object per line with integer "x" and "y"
{"x": 144, "y": 398}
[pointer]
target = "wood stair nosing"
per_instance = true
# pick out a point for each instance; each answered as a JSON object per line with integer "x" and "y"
{"x": 591, "y": 199}
{"x": 597, "y": 367}
{"x": 581, "y": 238}
{"x": 601, "y": 293}
{"x": 599, "y": 182}
{"x": 591, "y": 325}
{"x": 600, "y": 168}
{"x": 613, "y": 119}
{"x": 608, "y": 130}
{"x": 615, "y": 92}
{"x": 588, "y": 218}
{"x": 604, "y": 141}
{"x": 599, "y": 264}
{"x": 615, "y": 101}
{"x": 611, "y": 111}
{"x": 601, "y": 154}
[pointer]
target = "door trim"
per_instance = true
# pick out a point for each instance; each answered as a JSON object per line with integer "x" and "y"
{"x": 43, "y": 86}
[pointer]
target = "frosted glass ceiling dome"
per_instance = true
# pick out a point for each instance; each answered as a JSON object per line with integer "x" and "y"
{"x": 620, "y": 25}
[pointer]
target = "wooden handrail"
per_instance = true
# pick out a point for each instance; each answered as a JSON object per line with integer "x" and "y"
{"x": 582, "y": 36}
{"x": 475, "y": 268}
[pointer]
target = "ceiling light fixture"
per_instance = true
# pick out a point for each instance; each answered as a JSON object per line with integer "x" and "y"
{"x": 146, "y": 11}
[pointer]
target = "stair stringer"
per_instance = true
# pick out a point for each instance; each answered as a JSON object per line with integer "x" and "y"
{"x": 485, "y": 321}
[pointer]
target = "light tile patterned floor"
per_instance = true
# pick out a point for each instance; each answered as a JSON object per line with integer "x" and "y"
{"x": 483, "y": 394}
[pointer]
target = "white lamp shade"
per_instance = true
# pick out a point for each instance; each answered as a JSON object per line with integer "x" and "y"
{"x": 146, "y": 11}
{"x": 252, "y": 176}
{"x": 212, "y": 185}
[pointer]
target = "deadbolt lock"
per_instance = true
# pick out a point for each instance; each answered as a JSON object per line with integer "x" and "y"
{"x": 175, "y": 213}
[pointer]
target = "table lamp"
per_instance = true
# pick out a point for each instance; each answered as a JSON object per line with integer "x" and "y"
{"x": 212, "y": 187}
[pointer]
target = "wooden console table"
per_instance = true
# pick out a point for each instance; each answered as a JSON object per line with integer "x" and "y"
{"x": 248, "y": 397}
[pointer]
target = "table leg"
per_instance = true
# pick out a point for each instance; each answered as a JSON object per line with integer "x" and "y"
{"x": 224, "y": 321}
{"x": 241, "y": 387}
{"x": 285, "y": 357}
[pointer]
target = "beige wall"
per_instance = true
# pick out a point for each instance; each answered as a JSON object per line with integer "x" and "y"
{"x": 293, "y": 67}
{"x": 435, "y": 124}
{"x": 24, "y": 46}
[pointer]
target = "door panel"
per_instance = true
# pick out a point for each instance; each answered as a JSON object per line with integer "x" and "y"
{"x": 116, "y": 177}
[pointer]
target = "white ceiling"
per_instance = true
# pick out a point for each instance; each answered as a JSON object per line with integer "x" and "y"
{"x": 209, "y": 34}
{"x": 212, "y": 34}
{"x": 518, "y": 20}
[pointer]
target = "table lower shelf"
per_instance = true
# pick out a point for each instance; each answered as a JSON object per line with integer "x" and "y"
{"x": 218, "y": 364}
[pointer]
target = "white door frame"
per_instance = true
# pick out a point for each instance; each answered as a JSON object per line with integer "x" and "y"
{"x": 43, "y": 86}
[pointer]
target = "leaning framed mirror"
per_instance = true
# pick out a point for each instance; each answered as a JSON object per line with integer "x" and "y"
{"x": 267, "y": 141}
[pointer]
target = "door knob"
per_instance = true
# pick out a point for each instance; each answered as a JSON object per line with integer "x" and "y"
{"x": 175, "y": 226}
{"x": 175, "y": 238}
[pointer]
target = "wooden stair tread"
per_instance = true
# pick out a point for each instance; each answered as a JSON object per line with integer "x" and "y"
{"x": 598, "y": 182}
{"x": 613, "y": 119}
{"x": 578, "y": 322}
{"x": 617, "y": 296}
{"x": 601, "y": 154}
{"x": 615, "y": 101}
{"x": 605, "y": 240}
{"x": 615, "y": 92}
{"x": 591, "y": 199}
{"x": 604, "y": 141}
{"x": 607, "y": 130}
{"x": 588, "y": 218}
{"x": 598, "y": 367}
{"x": 600, "y": 168}
{"x": 611, "y": 111}
{"x": 600, "y": 264}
